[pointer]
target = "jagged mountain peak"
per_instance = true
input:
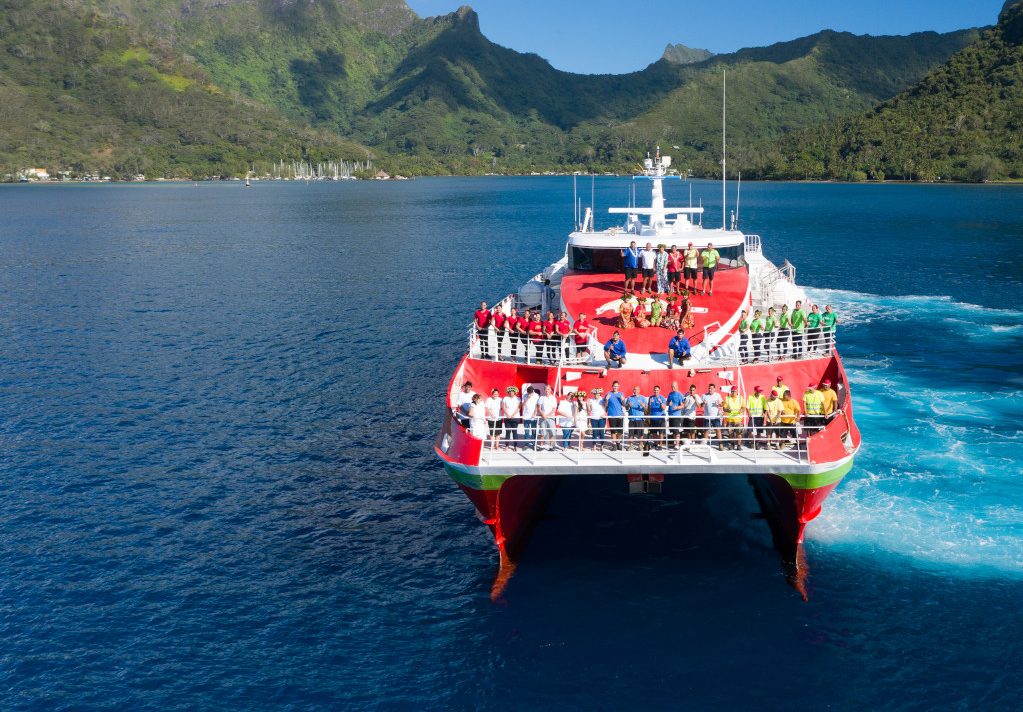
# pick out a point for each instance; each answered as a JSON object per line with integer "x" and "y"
{"x": 681, "y": 54}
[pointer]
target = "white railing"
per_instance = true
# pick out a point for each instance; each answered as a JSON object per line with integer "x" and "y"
{"x": 753, "y": 245}
{"x": 767, "y": 281}
{"x": 676, "y": 439}
{"x": 556, "y": 351}
{"x": 783, "y": 346}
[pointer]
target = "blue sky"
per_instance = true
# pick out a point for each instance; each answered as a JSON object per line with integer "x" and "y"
{"x": 600, "y": 36}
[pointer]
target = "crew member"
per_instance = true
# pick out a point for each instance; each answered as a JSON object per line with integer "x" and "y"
{"x": 679, "y": 349}
{"x": 614, "y": 351}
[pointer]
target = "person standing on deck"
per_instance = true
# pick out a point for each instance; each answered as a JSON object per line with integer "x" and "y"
{"x": 813, "y": 329}
{"x": 550, "y": 337}
{"x": 548, "y": 405}
{"x": 648, "y": 260}
{"x": 690, "y": 403}
{"x": 614, "y": 405}
{"x": 631, "y": 255}
{"x": 674, "y": 270}
{"x": 529, "y": 411}
{"x": 657, "y": 408}
{"x": 463, "y": 403}
{"x": 712, "y": 414}
{"x": 813, "y": 406}
{"x": 791, "y": 411}
{"x": 710, "y": 258}
{"x": 755, "y": 404}
{"x": 773, "y": 410}
{"x": 784, "y": 332}
{"x": 564, "y": 327}
{"x": 493, "y": 405}
{"x": 511, "y": 409}
{"x": 499, "y": 325}
{"x": 770, "y": 333}
{"x": 779, "y": 385}
{"x": 661, "y": 265}
{"x": 598, "y": 417}
{"x": 798, "y": 328}
{"x": 581, "y": 332}
{"x": 691, "y": 258}
{"x": 829, "y": 401}
{"x": 535, "y": 330}
{"x": 566, "y": 419}
{"x": 744, "y": 337}
{"x": 511, "y": 325}
{"x": 614, "y": 351}
{"x": 757, "y": 329}
{"x": 478, "y": 418}
{"x": 829, "y": 320}
{"x": 675, "y": 400}
{"x": 636, "y": 404}
{"x": 734, "y": 407}
{"x": 483, "y": 317}
{"x": 679, "y": 349}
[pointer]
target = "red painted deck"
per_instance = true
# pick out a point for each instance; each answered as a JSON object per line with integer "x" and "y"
{"x": 597, "y": 295}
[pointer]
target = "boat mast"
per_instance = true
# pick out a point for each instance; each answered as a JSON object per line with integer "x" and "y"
{"x": 724, "y": 195}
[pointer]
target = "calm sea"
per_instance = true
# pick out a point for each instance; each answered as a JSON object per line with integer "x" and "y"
{"x": 217, "y": 487}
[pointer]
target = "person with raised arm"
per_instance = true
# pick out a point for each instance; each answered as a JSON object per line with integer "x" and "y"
{"x": 636, "y": 405}
{"x": 614, "y": 351}
{"x": 598, "y": 417}
{"x": 690, "y": 403}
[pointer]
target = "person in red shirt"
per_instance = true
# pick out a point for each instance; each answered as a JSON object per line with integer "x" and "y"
{"x": 674, "y": 269}
{"x": 582, "y": 335}
{"x": 536, "y": 336}
{"x": 523, "y": 330}
{"x": 550, "y": 328}
{"x": 498, "y": 322}
{"x": 511, "y": 327}
{"x": 483, "y": 318}
{"x": 564, "y": 327}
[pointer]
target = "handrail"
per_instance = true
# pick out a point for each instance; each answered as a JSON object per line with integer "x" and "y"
{"x": 753, "y": 244}
{"x": 772, "y": 347}
{"x": 558, "y": 351}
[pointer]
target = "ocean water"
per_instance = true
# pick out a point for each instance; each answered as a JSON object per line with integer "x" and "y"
{"x": 217, "y": 487}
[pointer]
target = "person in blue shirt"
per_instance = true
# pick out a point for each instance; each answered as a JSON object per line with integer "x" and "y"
{"x": 657, "y": 408}
{"x": 679, "y": 349}
{"x": 636, "y": 405}
{"x": 614, "y": 351}
{"x": 614, "y": 404}
{"x": 631, "y": 256}
{"x": 675, "y": 399}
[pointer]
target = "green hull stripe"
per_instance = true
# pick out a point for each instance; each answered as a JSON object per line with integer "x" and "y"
{"x": 479, "y": 482}
{"x": 821, "y": 479}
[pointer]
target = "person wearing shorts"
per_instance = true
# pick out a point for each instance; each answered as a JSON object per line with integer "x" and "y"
{"x": 690, "y": 258}
{"x": 674, "y": 402}
{"x": 648, "y": 259}
{"x": 712, "y": 404}
{"x": 690, "y": 403}
{"x": 614, "y": 406}
{"x": 631, "y": 255}
{"x": 511, "y": 410}
{"x": 710, "y": 258}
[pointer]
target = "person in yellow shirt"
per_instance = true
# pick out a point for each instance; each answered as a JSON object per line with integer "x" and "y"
{"x": 755, "y": 404}
{"x": 813, "y": 405}
{"x": 790, "y": 416}
{"x": 830, "y": 399}
{"x": 773, "y": 410}
{"x": 733, "y": 407}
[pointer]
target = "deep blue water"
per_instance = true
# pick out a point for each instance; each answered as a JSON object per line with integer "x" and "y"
{"x": 217, "y": 488}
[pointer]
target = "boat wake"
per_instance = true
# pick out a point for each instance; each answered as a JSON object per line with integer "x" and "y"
{"x": 940, "y": 405}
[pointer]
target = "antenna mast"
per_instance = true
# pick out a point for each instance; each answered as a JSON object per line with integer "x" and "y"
{"x": 724, "y": 195}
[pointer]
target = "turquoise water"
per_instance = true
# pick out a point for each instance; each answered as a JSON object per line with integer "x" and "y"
{"x": 217, "y": 408}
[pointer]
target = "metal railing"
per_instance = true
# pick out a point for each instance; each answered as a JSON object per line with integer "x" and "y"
{"x": 553, "y": 351}
{"x": 753, "y": 245}
{"x": 765, "y": 286}
{"x": 783, "y": 346}
{"x": 673, "y": 439}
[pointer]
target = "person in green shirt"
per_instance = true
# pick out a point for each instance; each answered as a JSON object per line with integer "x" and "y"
{"x": 757, "y": 329}
{"x": 755, "y": 405}
{"x": 813, "y": 329}
{"x": 744, "y": 336}
{"x": 770, "y": 332}
{"x": 828, "y": 322}
{"x": 798, "y": 321}
{"x": 784, "y": 339}
{"x": 691, "y": 258}
{"x": 710, "y": 258}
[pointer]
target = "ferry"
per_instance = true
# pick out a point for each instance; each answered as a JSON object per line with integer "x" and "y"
{"x": 792, "y": 471}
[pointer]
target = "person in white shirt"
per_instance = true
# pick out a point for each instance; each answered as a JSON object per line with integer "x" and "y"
{"x": 548, "y": 406}
{"x": 463, "y": 402}
{"x": 582, "y": 418}
{"x": 510, "y": 406}
{"x": 478, "y": 417}
{"x": 493, "y": 406}
{"x": 648, "y": 259}
{"x": 566, "y": 420}
{"x": 529, "y": 406}
{"x": 598, "y": 417}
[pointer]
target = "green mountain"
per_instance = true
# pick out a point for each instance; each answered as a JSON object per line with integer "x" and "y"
{"x": 425, "y": 95}
{"x": 680, "y": 54}
{"x": 963, "y": 121}
{"x": 78, "y": 91}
